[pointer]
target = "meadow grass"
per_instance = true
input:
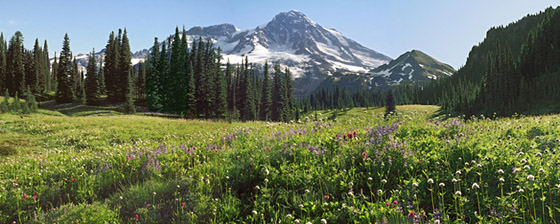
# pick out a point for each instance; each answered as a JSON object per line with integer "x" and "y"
{"x": 72, "y": 165}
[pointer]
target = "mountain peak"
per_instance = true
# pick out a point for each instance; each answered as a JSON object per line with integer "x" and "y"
{"x": 225, "y": 29}
{"x": 292, "y": 17}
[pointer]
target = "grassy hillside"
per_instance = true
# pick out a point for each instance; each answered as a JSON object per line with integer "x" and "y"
{"x": 358, "y": 167}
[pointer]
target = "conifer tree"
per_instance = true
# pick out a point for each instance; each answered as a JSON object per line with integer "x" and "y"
{"x": 92, "y": 87}
{"x": 124, "y": 68}
{"x": 65, "y": 90}
{"x": 111, "y": 72}
{"x": 2, "y": 61}
{"x": 389, "y": 103}
{"x": 39, "y": 79}
{"x": 153, "y": 99}
{"x": 191, "y": 88}
{"x": 15, "y": 77}
{"x": 230, "y": 88}
{"x": 129, "y": 107}
{"x": 220, "y": 91}
{"x": 5, "y": 106}
{"x": 30, "y": 72}
{"x": 266, "y": 96}
{"x": 45, "y": 67}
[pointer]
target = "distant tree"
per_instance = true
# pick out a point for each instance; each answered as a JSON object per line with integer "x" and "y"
{"x": 124, "y": 67}
{"x": 129, "y": 107}
{"x": 15, "y": 72}
{"x": 266, "y": 96}
{"x": 92, "y": 83}
{"x": 2, "y": 61}
{"x": 65, "y": 90}
{"x": 389, "y": 103}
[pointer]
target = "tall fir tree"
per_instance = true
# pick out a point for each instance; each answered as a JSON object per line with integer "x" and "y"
{"x": 2, "y": 62}
{"x": 111, "y": 72}
{"x": 153, "y": 100}
{"x": 220, "y": 90}
{"x": 30, "y": 72}
{"x": 65, "y": 90}
{"x": 15, "y": 72}
{"x": 124, "y": 68}
{"x": 266, "y": 96}
{"x": 45, "y": 67}
{"x": 92, "y": 87}
{"x": 389, "y": 103}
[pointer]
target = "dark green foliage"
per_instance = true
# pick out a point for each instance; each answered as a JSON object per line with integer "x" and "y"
{"x": 219, "y": 103}
{"x": 175, "y": 91}
{"x": 5, "y": 105}
{"x": 266, "y": 95}
{"x": 123, "y": 69}
{"x": 111, "y": 68}
{"x": 92, "y": 87}
{"x": 129, "y": 107}
{"x": 65, "y": 70}
{"x": 15, "y": 73}
{"x": 153, "y": 98}
{"x": 389, "y": 103}
{"x": 2, "y": 61}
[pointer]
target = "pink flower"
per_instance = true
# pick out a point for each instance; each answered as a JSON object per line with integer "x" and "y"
{"x": 24, "y": 196}
{"x": 411, "y": 214}
{"x": 136, "y": 217}
{"x": 182, "y": 204}
{"x": 251, "y": 165}
{"x": 267, "y": 149}
{"x": 122, "y": 164}
{"x": 395, "y": 202}
{"x": 34, "y": 197}
{"x": 72, "y": 179}
{"x": 327, "y": 197}
{"x": 387, "y": 203}
{"x": 364, "y": 154}
{"x": 246, "y": 170}
{"x": 179, "y": 155}
{"x": 355, "y": 134}
{"x": 147, "y": 205}
{"x": 15, "y": 183}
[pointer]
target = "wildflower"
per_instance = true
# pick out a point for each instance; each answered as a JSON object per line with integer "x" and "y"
{"x": 266, "y": 172}
{"x": 136, "y": 217}
{"x": 475, "y": 186}
{"x": 454, "y": 180}
{"x": 527, "y": 167}
{"x": 387, "y": 203}
{"x": 24, "y": 196}
{"x": 479, "y": 165}
{"x": 227, "y": 177}
{"x": 473, "y": 162}
{"x": 364, "y": 155}
{"x": 251, "y": 165}
{"x": 300, "y": 205}
{"x": 411, "y": 214}
{"x": 296, "y": 221}
{"x": 351, "y": 184}
{"x": 15, "y": 183}
{"x": 147, "y": 205}
{"x": 369, "y": 178}
{"x": 458, "y": 172}
{"x": 384, "y": 181}
{"x": 379, "y": 191}
{"x": 351, "y": 193}
{"x": 327, "y": 197}
{"x": 538, "y": 154}
{"x": 502, "y": 180}
{"x": 395, "y": 202}
{"x": 415, "y": 184}
{"x": 515, "y": 170}
{"x": 324, "y": 221}
{"x": 325, "y": 204}
{"x": 306, "y": 190}
{"x": 521, "y": 190}
{"x": 289, "y": 216}
{"x": 72, "y": 179}
{"x": 531, "y": 177}
{"x": 436, "y": 221}
{"x": 155, "y": 193}
{"x": 441, "y": 185}
{"x": 266, "y": 180}
{"x": 182, "y": 204}
{"x": 34, "y": 197}
{"x": 458, "y": 193}
{"x": 466, "y": 164}
{"x": 430, "y": 181}
{"x": 308, "y": 223}
{"x": 500, "y": 171}
{"x": 257, "y": 187}
{"x": 541, "y": 170}
{"x": 523, "y": 161}
{"x": 521, "y": 153}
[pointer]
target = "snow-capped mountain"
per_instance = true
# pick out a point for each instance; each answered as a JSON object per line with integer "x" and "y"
{"x": 309, "y": 50}
{"x": 413, "y": 66}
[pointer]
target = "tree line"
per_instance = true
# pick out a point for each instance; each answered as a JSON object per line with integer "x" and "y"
{"x": 192, "y": 81}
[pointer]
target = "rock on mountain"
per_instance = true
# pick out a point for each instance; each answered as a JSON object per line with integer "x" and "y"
{"x": 413, "y": 66}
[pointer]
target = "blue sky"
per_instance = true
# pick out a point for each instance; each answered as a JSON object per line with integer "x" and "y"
{"x": 445, "y": 29}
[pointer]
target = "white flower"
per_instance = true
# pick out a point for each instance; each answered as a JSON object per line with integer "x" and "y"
{"x": 121, "y": 197}
{"x": 502, "y": 180}
{"x": 521, "y": 190}
{"x": 306, "y": 190}
{"x": 538, "y": 154}
{"x": 531, "y": 177}
{"x": 454, "y": 180}
{"x": 521, "y": 153}
{"x": 301, "y": 205}
{"x": 325, "y": 204}
{"x": 384, "y": 181}
{"x": 475, "y": 186}
{"x": 178, "y": 186}
{"x": 254, "y": 212}
{"x": 479, "y": 165}
{"x": 526, "y": 167}
{"x": 289, "y": 216}
{"x": 500, "y": 171}
{"x": 308, "y": 223}
{"x": 436, "y": 221}
{"x": 227, "y": 177}
{"x": 351, "y": 193}
{"x": 266, "y": 172}
{"x": 558, "y": 186}
{"x": 257, "y": 187}
{"x": 515, "y": 170}
{"x": 369, "y": 178}
{"x": 473, "y": 162}
{"x": 458, "y": 172}
{"x": 379, "y": 191}
{"x": 415, "y": 184}
{"x": 155, "y": 193}
{"x": 541, "y": 170}
{"x": 351, "y": 184}
{"x": 323, "y": 221}
{"x": 266, "y": 180}
{"x": 523, "y": 161}
{"x": 442, "y": 184}
{"x": 430, "y": 181}
{"x": 466, "y": 164}
{"x": 296, "y": 221}
{"x": 458, "y": 193}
